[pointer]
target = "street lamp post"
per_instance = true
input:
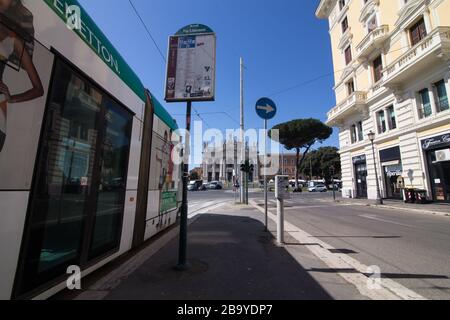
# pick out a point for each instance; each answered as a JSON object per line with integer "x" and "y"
{"x": 371, "y": 136}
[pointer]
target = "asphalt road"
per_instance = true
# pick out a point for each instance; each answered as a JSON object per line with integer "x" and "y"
{"x": 411, "y": 249}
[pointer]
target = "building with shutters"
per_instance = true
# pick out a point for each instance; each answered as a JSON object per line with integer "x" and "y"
{"x": 392, "y": 68}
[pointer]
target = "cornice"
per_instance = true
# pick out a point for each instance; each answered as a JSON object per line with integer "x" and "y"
{"x": 324, "y": 9}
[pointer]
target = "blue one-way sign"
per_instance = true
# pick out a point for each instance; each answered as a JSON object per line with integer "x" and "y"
{"x": 266, "y": 108}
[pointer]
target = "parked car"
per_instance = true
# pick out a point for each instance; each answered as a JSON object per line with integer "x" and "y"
{"x": 192, "y": 186}
{"x": 301, "y": 183}
{"x": 318, "y": 188}
{"x": 195, "y": 185}
{"x": 215, "y": 185}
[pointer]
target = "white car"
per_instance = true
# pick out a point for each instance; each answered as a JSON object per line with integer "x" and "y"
{"x": 318, "y": 188}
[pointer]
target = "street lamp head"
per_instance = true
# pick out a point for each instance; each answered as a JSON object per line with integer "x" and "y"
{"x": 371, "y": 136}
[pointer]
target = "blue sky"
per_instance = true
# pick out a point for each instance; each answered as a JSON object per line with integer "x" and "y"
{"x": 282, "y": 42}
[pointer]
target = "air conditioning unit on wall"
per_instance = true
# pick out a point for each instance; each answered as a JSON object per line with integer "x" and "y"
{"x": 443, "y": 155}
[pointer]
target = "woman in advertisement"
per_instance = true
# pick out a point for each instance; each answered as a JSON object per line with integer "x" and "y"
{"x": 16, "y": 51}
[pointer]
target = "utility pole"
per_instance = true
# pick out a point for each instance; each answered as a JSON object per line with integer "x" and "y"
{"x": 242, "y": 182}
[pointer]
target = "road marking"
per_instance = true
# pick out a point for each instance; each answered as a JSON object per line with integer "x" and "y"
{"x": 374, "y": 217}
{"x": 211, "y": 205}
{"x": 305, "y": 207}
{"x": 390, "y": 290}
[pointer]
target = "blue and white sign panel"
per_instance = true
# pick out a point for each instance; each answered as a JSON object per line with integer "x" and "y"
{"x": 266, "y": 108}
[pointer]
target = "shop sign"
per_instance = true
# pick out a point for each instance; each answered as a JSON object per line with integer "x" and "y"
{"x": 436, "y": 142}
{"x": 359, "y": 159}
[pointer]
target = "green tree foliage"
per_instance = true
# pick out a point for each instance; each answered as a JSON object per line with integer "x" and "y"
{"x": 301, "y": 135}
{"x": 320, "y": 163}
{"x": 194, "y": 175}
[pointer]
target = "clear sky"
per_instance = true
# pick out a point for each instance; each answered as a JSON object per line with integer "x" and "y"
{"x": 282, "y": 42}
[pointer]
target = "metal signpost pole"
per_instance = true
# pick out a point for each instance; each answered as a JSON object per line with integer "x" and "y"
{"x": 332, "y": 179}
{"x": 182, "y": 252}
{"x": 246, "y": 187}
{"x": 334, "y": 191}
{"x": 266, "y": 214}
{"x": 266, "y": 109}
{"x": 235, "y": 189}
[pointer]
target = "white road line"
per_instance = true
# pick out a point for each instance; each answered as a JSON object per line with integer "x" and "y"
{"x": 389, "y": 289}
{"x": 212, "y": 205}
{"x": 305, "y": 207}
{"x": 374, "y": 217}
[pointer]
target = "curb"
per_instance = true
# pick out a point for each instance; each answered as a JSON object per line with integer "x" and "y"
{"x": 391, "y": 207}
{"x": 427, "y": 212}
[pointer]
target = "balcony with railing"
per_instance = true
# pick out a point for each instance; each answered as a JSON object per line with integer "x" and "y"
{"x": 372, "y": 41}
{"x": 352, "y": 104}
{"x": 426, "y": 53}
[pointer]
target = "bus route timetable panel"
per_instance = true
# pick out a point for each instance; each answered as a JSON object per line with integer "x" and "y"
{"x": 191, "y": 68}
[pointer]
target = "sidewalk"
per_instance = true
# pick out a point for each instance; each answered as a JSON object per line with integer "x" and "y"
{"x": 231, "y": 258}
{"x": 441, "y": 209}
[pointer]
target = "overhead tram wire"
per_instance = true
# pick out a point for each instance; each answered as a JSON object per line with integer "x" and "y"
{"x": 320, "y": 77}
{"x": 213, "y": 113}
{"x": 147, "y": 30}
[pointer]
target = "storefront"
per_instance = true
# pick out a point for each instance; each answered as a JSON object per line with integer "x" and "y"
{"x": 437, "y": 153}
{"x": 360, "y": 169}
{"x": 392, "y": 172}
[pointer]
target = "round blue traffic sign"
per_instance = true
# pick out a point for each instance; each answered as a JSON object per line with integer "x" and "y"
{"x": 266, "y": 108}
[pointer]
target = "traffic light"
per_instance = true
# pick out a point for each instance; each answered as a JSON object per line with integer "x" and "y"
{"x": 247, "y": 167}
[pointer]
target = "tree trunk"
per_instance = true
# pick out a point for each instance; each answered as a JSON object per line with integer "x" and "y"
{"x": 297, "y": 168}
{"x": 304, "y": 156}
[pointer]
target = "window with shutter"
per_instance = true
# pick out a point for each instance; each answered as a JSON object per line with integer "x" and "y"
{"x": 348, "y": 55}
{"x": 377, "y": 69}
{"x": 418, "y": 32}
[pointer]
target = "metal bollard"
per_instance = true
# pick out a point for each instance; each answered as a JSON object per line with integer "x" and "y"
{"x": 280, "y": 221}
{"x": 281, "y": 182}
